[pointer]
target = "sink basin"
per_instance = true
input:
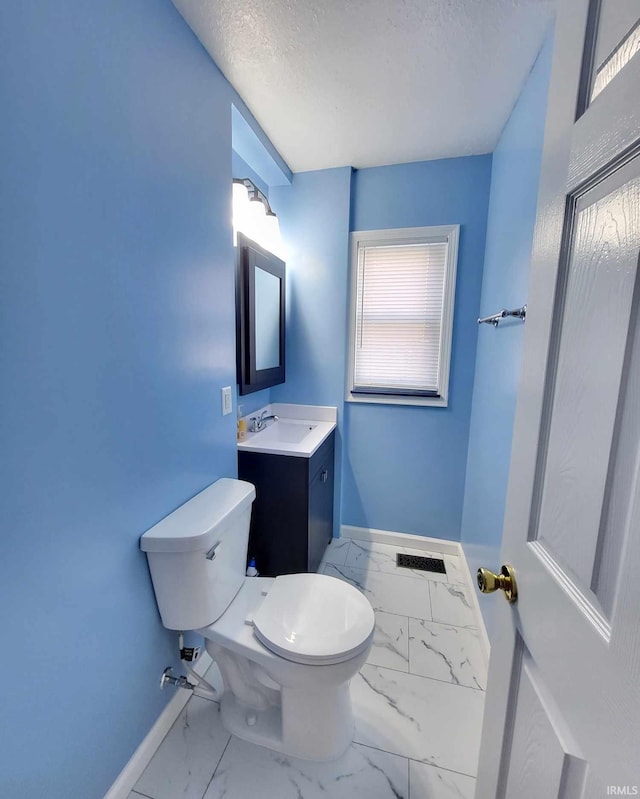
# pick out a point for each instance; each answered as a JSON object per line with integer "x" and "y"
{"x": 298, "y": 432}
{"x": 289, "y": 431}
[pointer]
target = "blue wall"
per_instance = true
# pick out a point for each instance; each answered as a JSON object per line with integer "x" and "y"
{"x": 241, "y": 169}
{"x": 254, "y": 147}
{"x": 404, "y": 466}
{"x": 314, "y": 219}
{"x": 116, "y": 334}
{"x": 512, "y": 211}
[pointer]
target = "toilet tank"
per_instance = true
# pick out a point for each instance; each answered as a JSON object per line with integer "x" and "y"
{"x": 197, "y": 554}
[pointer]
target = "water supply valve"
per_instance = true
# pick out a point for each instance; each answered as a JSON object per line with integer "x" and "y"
{"x": 167, "y": 678}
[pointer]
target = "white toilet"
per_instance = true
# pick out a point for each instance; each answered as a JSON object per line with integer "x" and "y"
{"x": 286, "y": 646}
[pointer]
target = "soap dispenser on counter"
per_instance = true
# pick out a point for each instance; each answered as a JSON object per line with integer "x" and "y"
{"x": 242, "y": 424}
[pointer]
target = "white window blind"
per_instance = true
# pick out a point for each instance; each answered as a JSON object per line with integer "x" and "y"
{"x": 401, "y": 315}
{"x": 400, "y": 292}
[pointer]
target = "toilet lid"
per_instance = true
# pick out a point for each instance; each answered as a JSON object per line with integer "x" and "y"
{"x": 314, "y": 619}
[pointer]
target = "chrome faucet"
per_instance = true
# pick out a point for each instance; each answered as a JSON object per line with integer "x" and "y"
{"x": 260, "y": 422}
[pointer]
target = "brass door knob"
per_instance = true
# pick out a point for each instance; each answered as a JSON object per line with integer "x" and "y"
{"x": 488, "y": 582}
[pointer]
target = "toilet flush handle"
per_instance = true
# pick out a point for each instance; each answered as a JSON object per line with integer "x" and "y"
{"x": 212, "y": 552}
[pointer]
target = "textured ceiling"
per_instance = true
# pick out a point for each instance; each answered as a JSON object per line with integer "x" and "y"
{"x": 371, "y": 82}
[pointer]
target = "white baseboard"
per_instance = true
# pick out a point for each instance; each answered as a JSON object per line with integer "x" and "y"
{"x": 399, "y": 539}
{"x": 140, "y": 759}
{"x": 484, "y": 638}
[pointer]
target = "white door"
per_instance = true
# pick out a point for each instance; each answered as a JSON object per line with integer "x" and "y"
{"x": 562, "y": 715}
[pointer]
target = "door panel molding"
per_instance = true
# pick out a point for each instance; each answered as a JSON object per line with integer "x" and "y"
{"x": 597, "y": 147}
{"x": 542, "y": 743}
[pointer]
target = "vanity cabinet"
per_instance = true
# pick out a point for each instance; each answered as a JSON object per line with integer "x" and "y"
{"x": 292, "y": 515}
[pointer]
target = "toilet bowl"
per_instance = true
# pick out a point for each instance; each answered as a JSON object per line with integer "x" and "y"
{"x": 288, "y": 657}
{"x": 286, "y": 647}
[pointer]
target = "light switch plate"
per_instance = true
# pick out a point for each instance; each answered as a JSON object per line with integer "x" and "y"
{"x": 227, "y": 406}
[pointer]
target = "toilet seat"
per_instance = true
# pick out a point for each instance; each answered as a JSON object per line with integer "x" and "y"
{"x": 314, "y": 619}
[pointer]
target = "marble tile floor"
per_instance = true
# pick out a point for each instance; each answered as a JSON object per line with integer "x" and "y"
{"x": 418, "y": 703}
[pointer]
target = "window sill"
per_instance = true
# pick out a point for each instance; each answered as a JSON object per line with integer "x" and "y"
{"x": 387, "y": 399}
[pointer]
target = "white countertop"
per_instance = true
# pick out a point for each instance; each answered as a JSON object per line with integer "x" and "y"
{"x": 299, "y": 431}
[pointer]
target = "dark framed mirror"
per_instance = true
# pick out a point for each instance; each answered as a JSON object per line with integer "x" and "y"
{"x": 260, "y": 317}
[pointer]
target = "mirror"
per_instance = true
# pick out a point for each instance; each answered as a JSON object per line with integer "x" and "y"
{"x": 260, "y": 317}
{"x": 267, "y": 304}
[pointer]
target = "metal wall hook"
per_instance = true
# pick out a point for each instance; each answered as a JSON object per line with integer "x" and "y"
{"x": 496, "y": 318}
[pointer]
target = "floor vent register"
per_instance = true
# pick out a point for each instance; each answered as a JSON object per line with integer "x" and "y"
{"x": 420, "y": 563}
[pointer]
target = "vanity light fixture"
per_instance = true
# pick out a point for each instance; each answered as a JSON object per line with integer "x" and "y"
{"x": 253, "y": 216}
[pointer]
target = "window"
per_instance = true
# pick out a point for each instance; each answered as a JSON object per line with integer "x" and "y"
{"x": 401, "y": 319}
